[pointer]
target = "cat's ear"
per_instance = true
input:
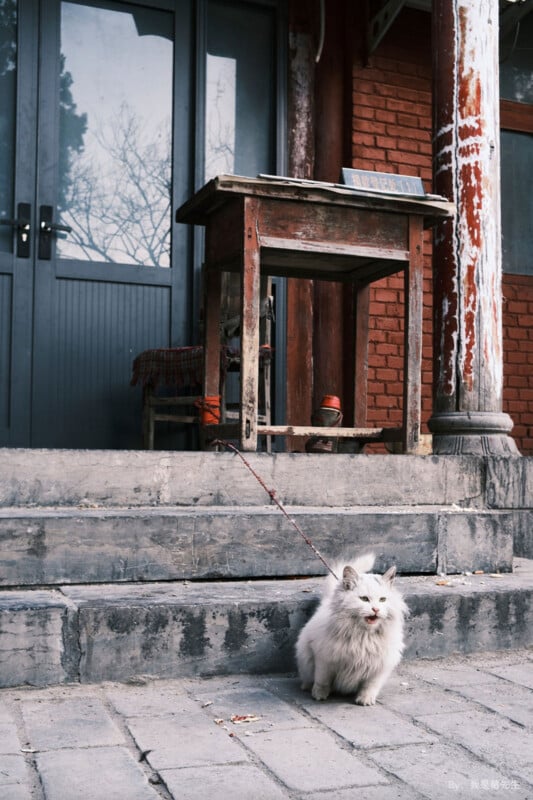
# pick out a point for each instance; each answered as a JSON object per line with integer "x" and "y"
{"x": 349, "y": 578}
{"x": 390, "y": 575}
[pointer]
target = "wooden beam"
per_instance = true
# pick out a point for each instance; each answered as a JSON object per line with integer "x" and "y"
{"x": 301, "y": 155}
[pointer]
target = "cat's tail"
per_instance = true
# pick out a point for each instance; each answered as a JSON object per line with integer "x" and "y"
{"x": 362, "y": 563}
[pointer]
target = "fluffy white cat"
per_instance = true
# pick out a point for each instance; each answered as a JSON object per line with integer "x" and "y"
{"x": 354, "y": 640}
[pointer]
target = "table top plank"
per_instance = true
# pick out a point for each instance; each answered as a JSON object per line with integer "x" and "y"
{"x": 197, "y": 209}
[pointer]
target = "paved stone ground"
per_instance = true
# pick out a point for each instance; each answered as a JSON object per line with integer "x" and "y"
{"x": 459, "y": 727}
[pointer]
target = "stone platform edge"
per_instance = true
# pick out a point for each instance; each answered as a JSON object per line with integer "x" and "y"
{"x": 95, "y": 633}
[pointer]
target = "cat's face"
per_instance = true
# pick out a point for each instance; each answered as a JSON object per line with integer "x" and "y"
{"x": 367, "y": 596}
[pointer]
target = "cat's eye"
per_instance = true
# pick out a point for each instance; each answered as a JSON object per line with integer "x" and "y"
{"x": 382, "y": 599}
{"x": 364, "y": 598}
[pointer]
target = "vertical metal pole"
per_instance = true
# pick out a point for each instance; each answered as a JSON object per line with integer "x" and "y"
{"x": 468, "y": 361}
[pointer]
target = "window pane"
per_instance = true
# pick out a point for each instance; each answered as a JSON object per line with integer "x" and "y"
{"x": 240, "y": 89}
{"x": 516, "y": 63}
{"x": 115, "y": 133}
{"x": 517, "y": 202}
{"x": 8, "y": 80}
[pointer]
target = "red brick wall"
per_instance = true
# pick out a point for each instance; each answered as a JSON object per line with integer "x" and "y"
{"x": 518, "y": 357}
{"x": 391, "y": 132}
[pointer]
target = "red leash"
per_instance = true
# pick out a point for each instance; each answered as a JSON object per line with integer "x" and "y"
{"x": 272, "y": 494}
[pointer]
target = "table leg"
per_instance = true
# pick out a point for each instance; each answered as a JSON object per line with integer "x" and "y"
{"x": 413, "y": 293}
{"x": 250, "y": 301}
{"x": 361, "y": 310}
{"x": 212, "y": 304}
{"x": 148, "y": 418}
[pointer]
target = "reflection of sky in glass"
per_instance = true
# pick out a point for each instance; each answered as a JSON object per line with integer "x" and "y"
{"x": 118, "y": 184}
{"x": 8, "y": 81}
{"x": 220, "y": 115}
{"x": 516, "y": 63}
{"x": 517, "y": 208}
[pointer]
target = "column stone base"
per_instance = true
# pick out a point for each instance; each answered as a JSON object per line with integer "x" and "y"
{"x": 475, "y": 433}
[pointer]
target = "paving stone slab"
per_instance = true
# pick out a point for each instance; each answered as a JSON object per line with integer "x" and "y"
{"x": 256, "y": 702}
{"x": 79, "y": 721}
{"x": 435, "y": 700}
{"x": 518, "y": 673}
{"x": 13, "y": 772}
{"x": 93, "y": 774}
{"x": 446, "y": 772}
{"x": 458, "y": 674}
{"x": 509, "y": 700}
{"x": 486, "y": 667}
{"x": 9, "y": 740}
{"x": 500, "y": 742}
{"x": 366, "y": 727}
{"x": 191, "y": 740}
{"x": 308, "y": 760}
{"x": 381, "y": 792}
{"x": 228, "y": 782}
{"x": 6, "y": 714}
{"x": 17, "y": 792}
{"x": 162, "y": 698}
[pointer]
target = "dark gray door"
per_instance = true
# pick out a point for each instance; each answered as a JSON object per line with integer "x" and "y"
{"x": 91, "y": 269}
{"x": 111, "y": 113}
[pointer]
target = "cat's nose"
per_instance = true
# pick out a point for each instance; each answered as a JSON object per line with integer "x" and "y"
{"x": 375, "y": 610}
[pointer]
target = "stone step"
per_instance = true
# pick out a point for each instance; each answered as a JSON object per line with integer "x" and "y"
{"x": 154, "y": 478}
{"x": 55, "y": 546}
{"x": 119, "y": 632}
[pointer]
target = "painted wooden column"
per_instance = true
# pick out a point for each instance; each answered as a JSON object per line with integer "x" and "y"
{"x": 468, "y": 379}
{"x": 332, "y": 130}
{"x": 301, "y": 159}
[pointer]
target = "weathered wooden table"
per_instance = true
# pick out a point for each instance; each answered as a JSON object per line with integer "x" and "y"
{"x": 306, "y": 229}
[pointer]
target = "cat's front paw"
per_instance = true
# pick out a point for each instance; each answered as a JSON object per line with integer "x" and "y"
{"x": 366, "y": 699}
{"x": 319, "y": 692}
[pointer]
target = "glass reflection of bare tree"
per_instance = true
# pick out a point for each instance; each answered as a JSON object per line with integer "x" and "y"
{"x": 118, "y": 198}
{"x": 220, "y": 115}
{"x": 8, "y": 62}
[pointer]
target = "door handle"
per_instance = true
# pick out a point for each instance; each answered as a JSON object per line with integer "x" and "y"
{"x": 22, "y": 223}
{"x": 47, "y": 229}
{"x": 52, "y": 227}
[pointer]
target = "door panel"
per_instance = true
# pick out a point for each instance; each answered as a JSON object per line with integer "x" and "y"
{"x": 96, "y": 331}
{"x": 18, "y": 97}
{"x": 105, "y": 167}
{"x": 6, "y": 323}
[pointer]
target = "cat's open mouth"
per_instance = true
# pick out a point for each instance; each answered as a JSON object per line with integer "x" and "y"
{"x": 373, "y": 619}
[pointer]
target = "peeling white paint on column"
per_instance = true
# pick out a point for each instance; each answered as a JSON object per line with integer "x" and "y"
{"x": 467, "y": 162}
